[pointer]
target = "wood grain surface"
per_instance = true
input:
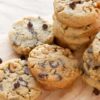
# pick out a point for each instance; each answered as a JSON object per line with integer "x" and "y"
{"x": 10, "y": 10}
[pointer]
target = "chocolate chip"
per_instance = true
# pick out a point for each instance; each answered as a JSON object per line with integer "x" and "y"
{"x": 26, "y": 70}
{"x": 29, "y": 25}
{"x": 58, "y": 77}
{"x": 22, "y": 82}
{"x": 20, "y": 78}
{"x": 1, "y": 87}
{"x": 44, "y": 26}
{"x": 90, "y": 50}
{"x": 96, "y": 67}
{"x": 1, "y": 61}
{"x": 96, "y": 91}
{"x": 22, "y": 57}
{"x": 16, "y": 85}
{"x": 43, "y": 75}
{"x": 73, "y": 4}
{"x": 54, "y": 64}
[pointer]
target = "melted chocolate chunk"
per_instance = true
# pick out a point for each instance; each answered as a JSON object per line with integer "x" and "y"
{"x": 54, "y": 64}
{"x": 43, "y": 75}
{"x": 29, "y": 25}
{"x": 1, "y": 61}
{"x": 73, "y": 4}
{"x": 96, "y": 91}
{"x": 16, "y": 85}
{"x": 44, "y": 26}
{"x": 26, "y": 70}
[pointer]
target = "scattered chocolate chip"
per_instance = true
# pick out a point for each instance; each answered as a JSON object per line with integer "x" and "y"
{"x": 73, "y": 4}
{"x": 1, "y": 87}
{"x": 43, "y": 75}
{"x": 54, "y": 64}
{"x": 26, "y": 70}
{"x": 22, "y": 57}
{"x": 44, "y": 26}
{"x": 29, "y": 25}
{"x": 1, "y": 61}
{"x": 16, "y": 85}
{"x": 96, "y": 91}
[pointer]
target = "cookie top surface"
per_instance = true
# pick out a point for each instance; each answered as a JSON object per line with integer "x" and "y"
{"x": 51, "y": 63}
{"x": 31, "y": 31}
{"x": 16, "y": 82}
{"x": 76, "y": 13}
{"x": 78, "y": 7}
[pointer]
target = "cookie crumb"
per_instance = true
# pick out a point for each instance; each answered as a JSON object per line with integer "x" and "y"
{"x": 96, "y": 91}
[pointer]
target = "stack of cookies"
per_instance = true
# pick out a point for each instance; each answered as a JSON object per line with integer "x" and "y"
{"x": 76, "y": 22}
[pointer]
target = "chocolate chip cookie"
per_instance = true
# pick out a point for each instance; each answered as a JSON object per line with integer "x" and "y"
{"x": 16, "y": 82}
{"x": 72, "y": 37}
{"x": 91, "y": 68}
{"x": 29, "y": 32}
{"x": 76, "y": 13}
{"x": 53, "y": 67}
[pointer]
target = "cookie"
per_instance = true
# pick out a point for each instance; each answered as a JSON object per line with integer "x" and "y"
{"x": 53, "y": 67}
{"x": 16, "y": 82}
{"x": 91, "y": 68}
{"x": 29, "y": 32}
{"x": 71, "y": 36}
{"x": 76, "y": 13}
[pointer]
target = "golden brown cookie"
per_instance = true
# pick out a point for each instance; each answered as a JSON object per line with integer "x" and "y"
{"x": 53, "y": 67}
{"x": 72, "y": 37}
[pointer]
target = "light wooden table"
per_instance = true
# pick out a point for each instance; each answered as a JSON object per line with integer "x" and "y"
{"x": 10, "y": 10}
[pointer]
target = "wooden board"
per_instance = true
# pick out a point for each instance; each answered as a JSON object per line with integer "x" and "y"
{"x": 79, "y": 90}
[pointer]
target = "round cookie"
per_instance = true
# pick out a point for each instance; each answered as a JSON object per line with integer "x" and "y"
{"x": 76, "y": 13}
{"x": 53, "y": 67}
{"x": 29, "y": 32}
{"x": 16, "y": 82}
{"x": 91, "y": 66}
{"x": 71, "y": 36}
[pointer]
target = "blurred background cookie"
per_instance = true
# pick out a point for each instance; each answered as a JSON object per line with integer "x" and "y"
{"x": 91, "y": 68}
